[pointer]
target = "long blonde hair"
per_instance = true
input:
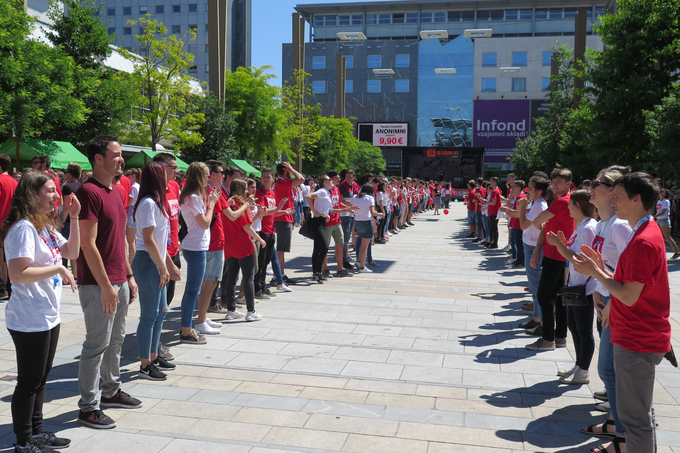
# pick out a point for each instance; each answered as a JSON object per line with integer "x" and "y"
{"x": 195, "y": 181}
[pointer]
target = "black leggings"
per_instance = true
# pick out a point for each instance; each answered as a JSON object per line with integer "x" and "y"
{"x": 381, "y": 227}
{"x": 247, "y": 267}
{"x": 171, "y": 283}
{"x": 580, "y": 322}
{"x": 552, "y": 279}
{"x": 263, "y": 259}
{"x": 493, "y": 226}
{"x": 317, "y": 227}
{"x": 35, "y": 354}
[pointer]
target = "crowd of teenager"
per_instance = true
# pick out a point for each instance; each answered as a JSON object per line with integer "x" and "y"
{"x": 607, "y": 239}
{"x": 123, "y": 232}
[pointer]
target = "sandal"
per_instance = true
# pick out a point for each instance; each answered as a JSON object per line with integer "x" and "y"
{"x": 589, "y": 431}
{"x": 615, "y": 442}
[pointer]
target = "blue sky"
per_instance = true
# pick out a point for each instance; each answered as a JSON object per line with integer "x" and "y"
{"x": 272, "y": 26}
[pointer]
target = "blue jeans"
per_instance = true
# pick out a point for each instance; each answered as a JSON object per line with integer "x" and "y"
{"x": 487, "y": 235}
{"x": 152, "y": 304}
{"x": 347, "y": 223}
{"x": 389, "y": 218}
{"x": 533, "y": 276}
{"x": 481, "y": 232}
{"x": 276, "y": 268}
{"x": 517, "y": 245}
{"x": 298, "y": 213}
{"x": 605, "y": 368}
{"x": 195, "y": 273}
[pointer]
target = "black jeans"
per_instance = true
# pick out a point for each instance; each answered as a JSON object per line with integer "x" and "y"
{"x": 381, "y": 227}
{"x": 493, "y": 226}
{"x": 263, "y": 260}
{"x": 171, "y": 283}
{"x": 552, "y": 279}
{"x": 317, "y": 227}
{"x": 35, "y": 354}
{"x": 580, "y": 323}
{"x": 247, "y": 267}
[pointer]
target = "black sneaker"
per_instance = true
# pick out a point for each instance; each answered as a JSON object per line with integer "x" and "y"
{"x": 344, "y": 273}
{"x": 272, "y": 282}
{"x": 536, "y": 331}
{"x": 269, "y": 293}
{"x": 96, "y": 419}
{"x": 163, "y": 365}
{"x": 347, "y": 265}
{"x": 48, "y": 439}
{"x": 327, "y": 274}
{"x": 288, "y": 281}
{"x": 530, "y": 324}
{"x": 151, "y": 373}
{"x": 32, "y": 447}
{"x": 120, "y": 400}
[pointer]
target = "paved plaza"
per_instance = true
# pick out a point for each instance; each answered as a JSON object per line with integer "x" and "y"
{"x": 424, "y": 355}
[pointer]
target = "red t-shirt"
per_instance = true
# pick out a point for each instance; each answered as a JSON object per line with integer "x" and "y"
{"x": 239, "y": 243}
{"x": 514, "y": 221}
{"x": 562, "y": 221}
{"x": 104, "y": 206}
{"x": 495, "y": 195}
{"x": 125, "y": 182}
{"x": 471, "y": 200}
{"x": 267, "y": 199}
{"x": 123, "y": 193}
{"x": 172, "y": 197}
{"x": 217, "y": 232}
{"x": 7, "y": 187}
{"x": 482, "y": 193}
{"x": 335, "y": 198}
{"x": 283, "y": 189}
{"x": 643, "y": 327}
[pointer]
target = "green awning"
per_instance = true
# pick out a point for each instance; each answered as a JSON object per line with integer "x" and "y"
{"x": 61, "y": 153}
{"x": 245, "y": 166}
{"x": 145, "y": 156}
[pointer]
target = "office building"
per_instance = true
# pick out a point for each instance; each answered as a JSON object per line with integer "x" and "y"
{"x": 459, "y": 98}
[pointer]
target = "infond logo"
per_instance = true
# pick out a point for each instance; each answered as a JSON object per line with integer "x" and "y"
{"x": 501, "y": 129}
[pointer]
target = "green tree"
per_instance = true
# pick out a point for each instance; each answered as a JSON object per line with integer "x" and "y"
{"x": 303, "y": 115}
{"x": 163, "y": 92}
{"x": 366, "y": 158}
{"x": 336, "y": 141}
{"x": 260, "y": 133}
{"x": 663, "y": 129}
{"x": 217, "y": 132}
{"x": 81, "y": 35}
{"x": 36, "y": 81}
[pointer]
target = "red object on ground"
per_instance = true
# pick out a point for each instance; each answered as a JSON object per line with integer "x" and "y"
{"x": 446, "y": 212}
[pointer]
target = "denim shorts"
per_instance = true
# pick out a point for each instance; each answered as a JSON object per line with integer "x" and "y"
{"x": 364, "y": 229}
{"x": 214, "y": 264}
{"x": 664, "y": 222}
{"x": 472, "y": 218}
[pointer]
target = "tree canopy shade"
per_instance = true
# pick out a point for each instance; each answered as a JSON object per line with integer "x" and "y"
{"x": 61, "y": 153}
{"x": 145, "y": 156}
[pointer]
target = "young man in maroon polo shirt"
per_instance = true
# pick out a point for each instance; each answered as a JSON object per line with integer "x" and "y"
{"x": 287, "y": 181}
{"x": 639, "y": 309}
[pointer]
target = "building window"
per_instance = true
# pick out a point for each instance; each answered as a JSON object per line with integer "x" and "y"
{"x": 319, "y": 87}
{"x": 519, "y": 84}
{"x": 207, "y": 68}
{"x": 519, "y": 58}
{"x": 433, "y": 17}
{"x": 547, "y": 58}
{"x": 373, "y": 61}
{"x": 143, "y": 10}
{"x": 176, "y": 8}
{"x": 357, "y": 20}
{"x": 206, "y": 28}
{"x": 489, "y": 59}
{"x": 193, "y": 7}
{"x": 490, "y": 14}
{"x": 384, "y": 18}
{"x": 111, "y": 30}
{"x": 96, "y": 13}
{"x": 318, "y": 21}
{"x": 401, "y": 86}
{"x": 177, "y": 29}
{"x": 111, "y": 12}
{"x": 160, "y": 9}
{"x": 440, "y": 17}
{"x": 193, "y": 69}
{"x": 127, "y": 31}
{"x": 127, "y": 10}
{"x": 142, "y": 30}
{"x": 521, "y": 14}
{"x": 206, "y": 48}
{"x": 461, "y": 16}
{"x": 344, "y": 20}
{"x": 349, "y": 62}
{"x": 331, "y": 20}
{"x": 373, "y": 86}
{"x": 488, "y": 85}
{"x": 426, "y": 18}
{"x": 349, "y": 86}
{"x": 193, "y": 48}
{"x": 193, "y": 28}
{"x": 411, "y": 18}
{"x": 546, "y": 84}
{"x": 318, "y": 62}
{"x": 398, "y": 18}
{"x": 402, "y": 61}
{"x": 371, "y": 19}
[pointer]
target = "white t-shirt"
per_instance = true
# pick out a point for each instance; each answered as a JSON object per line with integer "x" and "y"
{"x": 257, "y": 224}
{"x": 485, "y": 207}
{"x": 663, "y": 204}
{"x": 364, "y": 203}
{"x": 134, "y": 193}
{"x": 197, "y": 238}
{"x": 323, "y": 204}
{"x": 34, "y": 307}
{"x": 611, "y": 240}
{"x": 304, "y": 191}
{"x": 582, "y": 235}
{"x": 150, "y": 215}
{"x": 380, "y": 199}
{"x": 530, "y": 235}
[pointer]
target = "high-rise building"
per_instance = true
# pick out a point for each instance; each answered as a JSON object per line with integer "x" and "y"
{"x": 233, "y": 20}
{"x": 456, "y": 80}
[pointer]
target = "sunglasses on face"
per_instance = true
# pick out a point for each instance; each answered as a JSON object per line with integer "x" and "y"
{"x": 597, "y": 183}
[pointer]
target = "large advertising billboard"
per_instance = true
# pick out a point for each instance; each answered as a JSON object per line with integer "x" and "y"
{"x": 498, "y": 124}
{"x": 384, "y": 134}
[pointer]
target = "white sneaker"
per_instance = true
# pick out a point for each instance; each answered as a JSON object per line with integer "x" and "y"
{"x": 365, "y": 270}
{"x": 241, "y": 301}
{"x": 253, "y": 316}
{"x": 284, "y": 288}
{"x": 233, "y": 315}
{"x": 507, "y": 248}
{"x": 205, "y": 329}
{"x": 509, "y": 262}
{"x": 577, "y": 378}
{"x": 213, "y": 324}
{"x": 567, "y": 373}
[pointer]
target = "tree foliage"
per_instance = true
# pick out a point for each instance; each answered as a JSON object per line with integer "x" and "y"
{"x": 331, "y": 152}
{"x": 366, "y": 158}
{"x": 163, "y": 94}
{"x": 217, "y": 131}
{"x": 302, "y": 116}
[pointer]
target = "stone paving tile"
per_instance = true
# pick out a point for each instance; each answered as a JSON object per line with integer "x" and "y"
{"x": 357, "y": 443}
{"x": 372, "y": 370}
{"x": 346, "y": 409}
{"x": 308, "y": 438}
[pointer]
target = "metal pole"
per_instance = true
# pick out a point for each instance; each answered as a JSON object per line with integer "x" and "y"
{"x": 340, "y": 77}
{"x": 580, "y": 25}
